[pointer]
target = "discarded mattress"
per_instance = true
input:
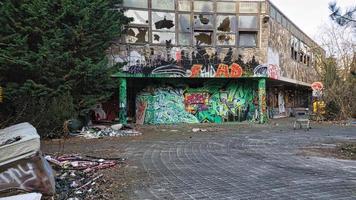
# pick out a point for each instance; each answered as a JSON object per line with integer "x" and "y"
{"x": 29, "y": 196}
{"x": 17, "y": 142}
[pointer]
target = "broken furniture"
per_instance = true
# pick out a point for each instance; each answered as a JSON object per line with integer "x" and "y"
{"x": 22, "y": 166}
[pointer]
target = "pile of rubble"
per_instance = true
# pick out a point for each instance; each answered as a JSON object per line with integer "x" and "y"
{"x": 22, "y": 165}
{"x": 117, "y": 130}
{"x": 78, "y": 177}
{"x": 24, "y": 168}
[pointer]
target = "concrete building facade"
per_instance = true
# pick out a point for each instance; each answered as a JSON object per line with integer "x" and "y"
{"x": 195, "y": 61}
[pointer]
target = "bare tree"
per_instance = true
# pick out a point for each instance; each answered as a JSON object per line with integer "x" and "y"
{"x": 341, "y": 18}
{"x": 335, "y": 69}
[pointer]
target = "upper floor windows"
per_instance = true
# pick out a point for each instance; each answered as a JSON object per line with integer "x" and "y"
{"x": 198, "y": 22}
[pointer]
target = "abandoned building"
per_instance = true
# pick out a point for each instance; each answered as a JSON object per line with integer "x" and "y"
{"x": 195, "y": 61}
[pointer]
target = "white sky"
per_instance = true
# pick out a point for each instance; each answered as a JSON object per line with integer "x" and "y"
{"x": 308, "y": 15}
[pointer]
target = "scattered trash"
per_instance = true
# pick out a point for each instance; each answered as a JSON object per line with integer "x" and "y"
{"x": 199, "y": 130}
{"x": 117, "y": 130}
{"x": 117, "y": 127}
{"x": 77, "y": 176}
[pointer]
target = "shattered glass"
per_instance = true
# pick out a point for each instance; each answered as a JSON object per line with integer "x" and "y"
{"x": 184, "y": 39}
{"x": 248, "y": 22}
{"x": 248, "y": 7}
{"x": 163, "y": 21}
{"x": 226, "y": 23}
{"x": 203, "y": 38}
{"x": 136, "y": 35}
{"x": 135, "y": 3}
{"x": 166, "y": 38}
{"x": 184, "y": 5}
{"x": 203, "y": 6}
{"x": 203, "y": 21}
{"x": 247, "y": 39}
{"x": 226, "y": 7}
{"x": 184, "y": 23}
{"x": 139, "y": 16}
{"x": 163, "y": 4}
{"x": 225, "y": 39}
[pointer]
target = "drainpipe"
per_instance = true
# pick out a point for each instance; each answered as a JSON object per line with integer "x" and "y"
{"x": 122, "y": 100}
{"x": 262, "y": 104}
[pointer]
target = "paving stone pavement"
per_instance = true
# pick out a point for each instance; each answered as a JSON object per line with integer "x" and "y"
{"x": 245, "y": 164}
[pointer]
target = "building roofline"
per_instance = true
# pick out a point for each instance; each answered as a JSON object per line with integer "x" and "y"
{"x": 299, "y": 29}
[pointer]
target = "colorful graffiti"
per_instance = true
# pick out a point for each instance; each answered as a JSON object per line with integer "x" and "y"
{"x": 123, "y": 100}
{"x": 268, "y": 70}
{"x": 215, "y": 102}
{"x": 262, "y": 100}
{"x": 164, "y": 106}
{"x": 186, "y": 62}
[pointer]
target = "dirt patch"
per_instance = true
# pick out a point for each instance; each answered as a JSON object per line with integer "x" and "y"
{"x": 346, "y": 151}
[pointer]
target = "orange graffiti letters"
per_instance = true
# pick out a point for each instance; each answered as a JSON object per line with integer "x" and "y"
{"x": 196, "y": 70}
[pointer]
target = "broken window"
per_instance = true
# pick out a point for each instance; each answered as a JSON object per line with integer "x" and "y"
{"x": 184, "y": 5}
{"x": 294, "y": 48}
{"x": 202, "y": 38}
{"x": 135, "y": 3}
{"x": 226, "y": 39}
{"x": 247, "y": 39}
{"x": 163, "y": 21}
{"x": 136, "y": 35}
{"x": 203, "y": 6}
{"x": 184, "y": 23}
{"x": 166, "y": 38}
{"x": 249, "y": 22}
{"x": 203, "y": 21}
{"x": 226, "y": 23}
{"x": 303, "y": 53}
{"x": 226, "y": 7}
{"x": 248, "y": 7}
{"x": 163, "y": 4}
{"x": 184, "y": 39}
{"x": 139, "y": 16}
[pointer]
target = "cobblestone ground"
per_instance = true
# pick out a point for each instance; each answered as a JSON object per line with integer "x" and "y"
{"x": 251, "y": 163}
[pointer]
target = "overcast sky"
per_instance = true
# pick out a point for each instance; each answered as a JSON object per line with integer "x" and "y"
{"x": 308, "y": 14}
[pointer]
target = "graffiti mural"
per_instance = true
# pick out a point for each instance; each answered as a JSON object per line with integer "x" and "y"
{"x": 270, "y": 71}
{"x": 185, "y": 62}
{"x": 164, "y": 106}
{"x": 215, "y": 102}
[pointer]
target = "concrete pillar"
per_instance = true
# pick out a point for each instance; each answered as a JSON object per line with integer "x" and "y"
{"x": 262, "y": 101}
{"x": 123, "y": 100}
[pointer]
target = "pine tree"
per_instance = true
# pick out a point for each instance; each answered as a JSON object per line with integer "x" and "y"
{"x": 55, "y": 48}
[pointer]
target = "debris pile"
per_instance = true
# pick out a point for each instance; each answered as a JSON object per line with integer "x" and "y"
{"x": 78, "y": 177}
{"x": 22, "y": 166}
{"x": 117, "y": 130}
